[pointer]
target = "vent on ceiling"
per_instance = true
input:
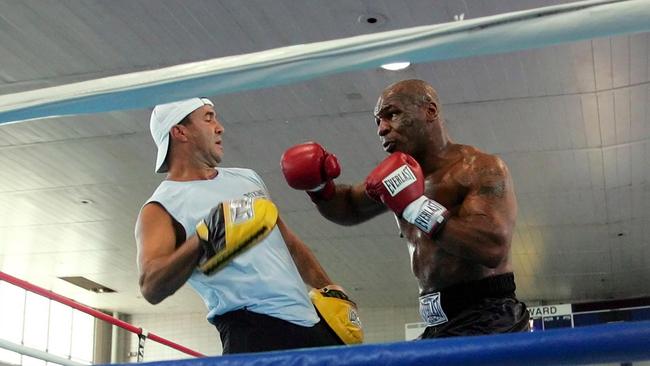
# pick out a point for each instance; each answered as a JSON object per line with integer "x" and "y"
{"x": 87, "y": 284}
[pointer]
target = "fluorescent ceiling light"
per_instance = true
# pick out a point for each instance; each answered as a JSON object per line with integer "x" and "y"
{"x": 396, "y": 66}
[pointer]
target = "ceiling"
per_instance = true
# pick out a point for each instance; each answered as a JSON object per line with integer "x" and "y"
{"x": 571, "y": 121}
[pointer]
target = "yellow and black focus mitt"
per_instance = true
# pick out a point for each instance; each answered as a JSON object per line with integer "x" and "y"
{"x": 338, "y": 312}
{"x": 231, "y": 227}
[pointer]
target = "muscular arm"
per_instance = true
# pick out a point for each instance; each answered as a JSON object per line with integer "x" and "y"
{"x": 350, "y": 205}
{"x": 482, "y": 229}
{"x": 308, "y": 266}
{"x": 163, "y": 267}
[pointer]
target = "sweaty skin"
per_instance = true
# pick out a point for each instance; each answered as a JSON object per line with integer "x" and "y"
{"x": 474, "y": 186}
{"x": 477, "y": 190}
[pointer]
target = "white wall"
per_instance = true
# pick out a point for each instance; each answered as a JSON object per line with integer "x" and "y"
{"x": 383, "y": 325}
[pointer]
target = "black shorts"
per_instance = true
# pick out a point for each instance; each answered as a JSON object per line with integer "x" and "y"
{"x": 243, "y": 331}
{"x": 481, "y": 307}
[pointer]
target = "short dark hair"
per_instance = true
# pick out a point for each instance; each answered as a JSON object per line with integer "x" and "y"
{"x": 185, "y": 121}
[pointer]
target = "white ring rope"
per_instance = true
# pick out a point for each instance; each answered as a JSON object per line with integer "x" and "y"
{"x": 488, "y": 35}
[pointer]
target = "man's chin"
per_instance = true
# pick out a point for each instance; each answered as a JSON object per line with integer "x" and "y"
{"x": 216, "y": 160}
{"x": 218, "y": 155}
{"x": 390, "y": 148}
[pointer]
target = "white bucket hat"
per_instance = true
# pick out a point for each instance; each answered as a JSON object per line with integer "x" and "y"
{"x": 166, "y": 116}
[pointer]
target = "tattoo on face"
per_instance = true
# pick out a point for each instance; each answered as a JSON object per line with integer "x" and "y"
{"x": 407, "y": 122}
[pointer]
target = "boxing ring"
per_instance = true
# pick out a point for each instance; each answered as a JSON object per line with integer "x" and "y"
{"x": 578, "y": 346}
{"x": 621, "y": 342}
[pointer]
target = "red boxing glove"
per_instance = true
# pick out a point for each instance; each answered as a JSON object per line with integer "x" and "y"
{"x": 310, "y": 168}
{"x": 398, "y": 182}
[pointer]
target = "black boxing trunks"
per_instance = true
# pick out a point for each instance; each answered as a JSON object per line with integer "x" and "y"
{"x": 479, "y": 307}
{"x": 244, "y": 331}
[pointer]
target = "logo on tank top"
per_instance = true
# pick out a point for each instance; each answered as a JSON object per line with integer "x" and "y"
{"x": 431, "y": 309}
{"x": 255, "y": 194}
{"x": 399, "y": 179}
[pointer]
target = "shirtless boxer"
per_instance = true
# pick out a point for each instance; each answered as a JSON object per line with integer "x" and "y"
{"x": 455, "y": 206}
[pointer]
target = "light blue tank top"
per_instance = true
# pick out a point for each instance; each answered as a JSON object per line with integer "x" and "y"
{"x": 263, "y": 279}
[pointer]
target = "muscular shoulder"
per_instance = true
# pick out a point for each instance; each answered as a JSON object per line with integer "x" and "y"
{"x": 481, "y": 162}
{"x": 486, "y": 172}
{"x": 155, "y": 220}
{"x": 153, "y": 213}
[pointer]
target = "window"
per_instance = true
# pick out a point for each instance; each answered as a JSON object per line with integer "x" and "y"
{"x": 37, "y": 322}
{"x": 60, "y": 324}
{"x": 12, "y": 308}
{"x": 83, "y": 337}
{"x": 37, "y": 310}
